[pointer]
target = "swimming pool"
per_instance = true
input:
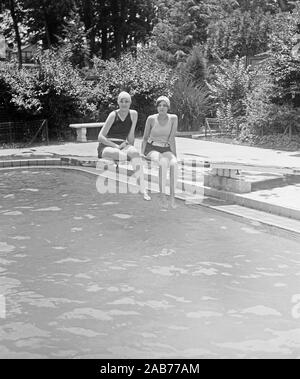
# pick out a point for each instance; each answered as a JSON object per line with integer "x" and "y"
{"x": 86, "y": 275}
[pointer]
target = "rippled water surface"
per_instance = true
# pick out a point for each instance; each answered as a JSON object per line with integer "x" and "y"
{"x": 84, "y": 275}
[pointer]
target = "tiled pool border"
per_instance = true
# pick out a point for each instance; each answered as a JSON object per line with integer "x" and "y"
{"x": 30, "y": 163}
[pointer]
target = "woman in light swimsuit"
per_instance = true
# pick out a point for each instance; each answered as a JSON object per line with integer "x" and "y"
{"x": 159, "y": 143}
{"x": 116, "y": 139}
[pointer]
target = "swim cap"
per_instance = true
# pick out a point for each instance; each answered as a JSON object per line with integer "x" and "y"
{"x": 165, "y": 99}
{"x": 124, "y": 95}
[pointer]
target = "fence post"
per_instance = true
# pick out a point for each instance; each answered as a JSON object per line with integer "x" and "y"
{"x": 47, "y": 132}
{"x": 10, "y": 132}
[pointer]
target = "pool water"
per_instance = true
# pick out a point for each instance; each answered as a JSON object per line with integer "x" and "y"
{"x": 86, "y": 275}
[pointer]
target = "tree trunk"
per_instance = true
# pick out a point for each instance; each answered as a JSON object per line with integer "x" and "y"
{"x": 48, "y": 39}
{"x": 117, "y": 27}
{"x": 88, "y": 12}
{"x": 16, "y": 28}
{"x": 104, "y": 43}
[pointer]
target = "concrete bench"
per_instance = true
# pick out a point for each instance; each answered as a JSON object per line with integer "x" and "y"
{"x": 81, "y": 129}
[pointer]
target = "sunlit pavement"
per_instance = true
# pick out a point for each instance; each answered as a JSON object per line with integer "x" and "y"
{"x": 210, "y": 151}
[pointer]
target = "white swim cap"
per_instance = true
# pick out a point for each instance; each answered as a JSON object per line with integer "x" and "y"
{"x": 124, "y": 95}
{"x": 165, "y": 99}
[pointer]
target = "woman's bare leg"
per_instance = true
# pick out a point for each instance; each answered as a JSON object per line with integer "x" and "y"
{"x": 116, "y": 155}
{"x": 155, "y": 156}
{"x": 173, "y": 164}
{"x": 137, "y": 164}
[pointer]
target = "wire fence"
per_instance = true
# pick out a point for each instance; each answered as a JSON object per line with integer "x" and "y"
{"x": 24, "y": 132}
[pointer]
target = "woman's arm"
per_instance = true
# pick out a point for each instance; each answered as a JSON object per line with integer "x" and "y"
{"x": 146, "y": 134}
{"x": 131, "y": 136}
{"x": 104, "y": 131}
{"x": 173, "y": 135}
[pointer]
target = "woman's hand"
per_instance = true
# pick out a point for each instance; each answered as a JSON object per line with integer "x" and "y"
{"x": 123, "y": 145}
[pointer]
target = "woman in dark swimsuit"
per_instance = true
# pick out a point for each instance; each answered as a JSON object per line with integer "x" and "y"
{"x": 116, "y": 139}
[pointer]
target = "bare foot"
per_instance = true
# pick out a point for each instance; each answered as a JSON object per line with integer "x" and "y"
{"x": 146, "y": 196}
{"x": 163, "y": 201}
{"x": 173, "y": 203}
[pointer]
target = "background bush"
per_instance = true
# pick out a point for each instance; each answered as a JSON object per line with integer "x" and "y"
{"x": 229, "y": 84}
{"x": 54, "y": 91}
{"x": 140, "y": 74}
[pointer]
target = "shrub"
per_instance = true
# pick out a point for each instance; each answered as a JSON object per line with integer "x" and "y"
{"x": 273, "y": 141}
{"x": 284, "y": 65}
{"x": 228, "y": 123}
{"x": 230, "y": 84}
{"x": 20, "y": 89}
{"x": 259, "y": 106}
{"x": 191, "y": 102}
{"x": 142, "y": 76}
{"x": 195, "y": 67}
{"x": 54, "y": 91}
{"x": 63, "y": 93}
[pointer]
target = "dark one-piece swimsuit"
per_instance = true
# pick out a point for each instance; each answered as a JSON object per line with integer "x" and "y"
{"x": 119, "y": 130}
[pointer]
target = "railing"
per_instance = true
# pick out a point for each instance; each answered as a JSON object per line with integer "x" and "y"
{"x": 212, "y": 126}
{"x": 24, "y": 132}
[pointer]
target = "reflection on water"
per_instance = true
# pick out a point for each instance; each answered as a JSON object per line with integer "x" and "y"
{"x": 86, "y": 275}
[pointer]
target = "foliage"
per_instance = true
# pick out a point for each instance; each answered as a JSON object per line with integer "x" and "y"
{"x": 75, "y": 40}
{"x": 142, "y": 76}
{"x": 229, "y": 124}
{"x": 111, "y": 26}
{"x": 272, "y": 141}
{"x": 259, "y": 106}
{"x": 195, "y": 67}
{"x": 181, "y": 25}
{"x": 20, "y": 87}
{"x": 270, "y": 119}
{"x": 242, "y": 33}
{"x": 62, "y": 91}
{"x": 191, "y": 102}
{"x": 54, "y": 91}
{"x": 284, "y": 66}
{"x": 46, "y": 19}
{"x": 229, "y": 85}
{"x": 226, "y": 27}
{"x": 6, "y": 22}
{"x": 185, "y": 34}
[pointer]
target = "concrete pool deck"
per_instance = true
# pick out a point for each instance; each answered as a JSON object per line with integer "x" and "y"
{"x": 210, "y": 151}
{"x": 277, "y": 200}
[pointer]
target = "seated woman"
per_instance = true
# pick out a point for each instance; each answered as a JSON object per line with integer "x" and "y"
{"x": 116, "y": 139}
{"x": 159, "y": 144}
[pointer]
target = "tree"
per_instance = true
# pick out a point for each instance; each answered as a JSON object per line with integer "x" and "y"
{"x": 46, "y": 19}
{"x": 130, "y": 23}
{"x": 88, "y": 12}
{"x": 181, "y": 25}
{"x": 195, "y": 67}
{"x": 284, "y": 65}
{"x": 75, "y": 40}
{"x": 140, "y": 74}
{"x": 114, "y": 26}
{"x": 15, "y": 8}
{"x": 243, "y": 30}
